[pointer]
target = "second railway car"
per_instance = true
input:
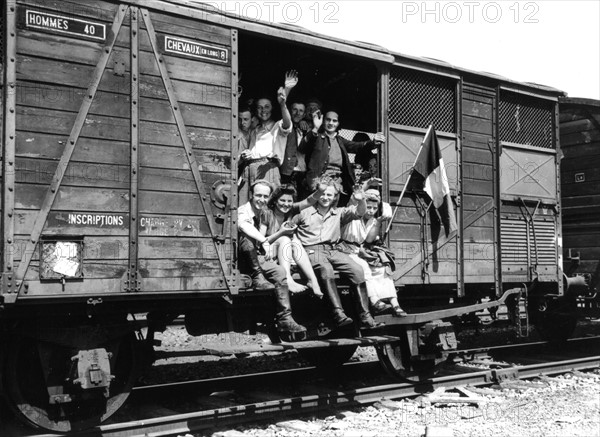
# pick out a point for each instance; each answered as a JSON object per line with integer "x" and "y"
{"x": 580, "y": 176}
{"x": 119, "y": 176}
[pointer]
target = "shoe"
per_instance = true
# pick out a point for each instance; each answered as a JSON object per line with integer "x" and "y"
{"x": 287, "y": 328}
{"x": 399, "y": 312}
{"x": 361, "y": 300}
{"x": 259, "y": 282}
{"x": 380, "y": 307}
{"x": 341, "y": 319}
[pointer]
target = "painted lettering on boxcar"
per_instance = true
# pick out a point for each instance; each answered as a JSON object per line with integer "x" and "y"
{"x": 98, "y": 220}
{"x": 193, "y": 49}
{"x": 170, "y": 226}
{"x": 53, "y": 23}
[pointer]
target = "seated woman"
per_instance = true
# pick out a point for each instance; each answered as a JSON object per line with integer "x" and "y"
{"x": 380, "y": 285}
{"x": 279, "y": 231}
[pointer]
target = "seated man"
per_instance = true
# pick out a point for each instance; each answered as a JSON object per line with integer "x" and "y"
{"x": 250, "y": 262}
{"x": 318, "y": 229}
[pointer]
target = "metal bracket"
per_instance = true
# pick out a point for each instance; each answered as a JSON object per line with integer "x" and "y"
{"x": 131, "y": 282}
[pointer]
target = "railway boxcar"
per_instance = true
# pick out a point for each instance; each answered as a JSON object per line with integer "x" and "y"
{"x": 119, "y": 169}
{"x": 580, "y": 176}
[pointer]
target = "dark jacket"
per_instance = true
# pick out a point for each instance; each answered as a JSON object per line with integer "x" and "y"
{"x": 316, "y": 149}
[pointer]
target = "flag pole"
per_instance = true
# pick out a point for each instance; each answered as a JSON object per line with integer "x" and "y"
{"x": 412, "y": 169}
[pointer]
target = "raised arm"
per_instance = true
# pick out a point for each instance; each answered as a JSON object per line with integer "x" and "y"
{"x": 291, "y": 80}
{"x": 386, "y": 215}
{"x": 313, "y": 198}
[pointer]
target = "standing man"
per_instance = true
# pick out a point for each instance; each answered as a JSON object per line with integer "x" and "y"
{"x": 293, "y": 167}
{"x": 253, "y": 248}
{"x": 269, "y": 138}
{"x": 327, "y": 153}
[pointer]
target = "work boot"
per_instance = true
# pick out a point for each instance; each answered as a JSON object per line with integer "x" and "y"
{"x": 287, "y": 327}
{"x": 361, "y": 300}
{"x": 260, "y": 283}
{"x": 249, "y": 260}
{"x": 339, "y": 317}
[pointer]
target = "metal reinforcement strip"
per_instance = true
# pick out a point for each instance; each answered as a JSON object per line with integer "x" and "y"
{"x": 182, "y": 424}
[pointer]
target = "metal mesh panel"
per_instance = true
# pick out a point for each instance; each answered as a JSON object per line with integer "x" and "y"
{"x": 419, "y": 99}
{"x": 525, "y": 120}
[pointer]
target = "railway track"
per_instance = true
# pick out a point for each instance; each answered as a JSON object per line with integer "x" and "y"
{"x": 224, "y": 402}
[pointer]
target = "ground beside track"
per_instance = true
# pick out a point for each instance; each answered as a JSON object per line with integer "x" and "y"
{"x": 566, "y": 405}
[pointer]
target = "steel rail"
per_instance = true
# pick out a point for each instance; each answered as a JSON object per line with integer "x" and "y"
{"x": 181, "y": 424}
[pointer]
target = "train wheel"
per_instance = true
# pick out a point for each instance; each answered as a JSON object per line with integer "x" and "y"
{"x": 554, "y": 320}
{"x": 28, "y": 391}
{"x": 555, "y": 326}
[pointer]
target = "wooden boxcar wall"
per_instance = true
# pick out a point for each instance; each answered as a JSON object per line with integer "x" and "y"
{"x": 118, "y": 142}
{"x": 580, "y": 171}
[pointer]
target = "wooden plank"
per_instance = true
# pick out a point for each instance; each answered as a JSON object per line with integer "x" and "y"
{"x": 193, "y": 115}
{"x": 480, "y": 156}
{"x": 569, "y": 165}
{"x": 189, "y": 28}
{"x": 77, "y": 174}
{"x": 473, "y": 202}
{"x": 59, "y": 122}
{"x": 66, "y": 93}
{"x": 477, "y": 172}
{"x": 96, "y": 247}
{"x": 33, "y": 44}
{"x": 585, "y": 137}
{"x": 477, "y": 109}
{"x": 167, "y": 134}
{"x": 174, "y": 268}
{"x": 179, "y": 68}
{"x": 476, "y": 125}
{"x": 32, "y": 68}
{"x": 30, "y": 196}
{"x": 169, "y": 225}
{"x": 88, "y": 150}
{"x": 581, "y": 150}
{"x": 176, "y": 248}
{"x": 25, "y": 219}
{"x": 579, "y": 201}
{"x": 478, "y": 234}
{"x": 175, "y": 203}
{"x": 578, "y": 125}
{"x": 98, "y": 10}
{"x": 167, "y": 157}
{"x": 480, "y": 187}
{"x": 479, "y": 271}
{"x": 92, "y": 287}
{"x": 405, "y": 250}
{"x": 211, "y": 94}
{"x": 406, "y": 232}
{"x": 34, "y": 120}
{"x": 176, "y": 181}
{"x": 476, "y": 97}
{"x": 185, "y": 283}
{"x": 581, "y": 189}
{"x": 96, "y": 269}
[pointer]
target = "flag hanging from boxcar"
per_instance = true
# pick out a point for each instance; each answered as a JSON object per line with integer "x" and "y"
{"x": 430, "y": 165}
